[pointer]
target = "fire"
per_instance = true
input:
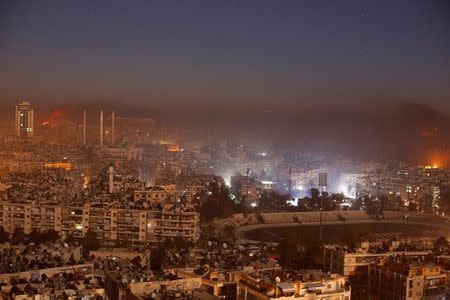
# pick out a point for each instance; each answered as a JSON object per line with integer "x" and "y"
{"x": 438, "y": 159}
{"x": 174, "y": 148}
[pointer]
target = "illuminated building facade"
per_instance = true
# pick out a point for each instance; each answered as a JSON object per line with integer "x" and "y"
{"x": 24, "y": 120}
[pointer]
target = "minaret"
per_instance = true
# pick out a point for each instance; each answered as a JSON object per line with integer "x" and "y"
{"x": 113, "y": 115}
{"x": 101, "y": 128}
{"x": 17, "y": 122}
{"x": 84, "y": 127}
{"x": 111, "y": 179}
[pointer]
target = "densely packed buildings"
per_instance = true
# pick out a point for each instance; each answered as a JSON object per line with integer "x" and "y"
{"x": 109, "y": 223}
{"x": 98, "y": 192}
{"x": 46, "y": 271}
{"x": 411, "y": 183}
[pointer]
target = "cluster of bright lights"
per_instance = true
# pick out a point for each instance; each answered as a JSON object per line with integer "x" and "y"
{"x": 293, "y": 202}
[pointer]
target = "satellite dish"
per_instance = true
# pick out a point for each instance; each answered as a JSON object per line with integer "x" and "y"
{"x": 278, "y": 279}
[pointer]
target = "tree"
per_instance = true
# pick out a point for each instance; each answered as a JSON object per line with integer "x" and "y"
{"x": 218, "y": 204}
{"x": 177, "y": 243}
{"x": 137, "y": 260}
{"x": 70, "y": 239}
{"x": 228, "y": 233}
{"x": 272, "y": 199}
{"x": 373, "y": 206}
{"x": 331, "y": 202}
{"x": 157, "y": 256}
{"x": 412, "y": 206}
{"x": 4, "y": 236}
{"x": 36, "y": 237}
{"x": 357, "y": 204}
{"x": 441, "y": 245}
{"x": 51, "y": 235}
{"x": 90, "y": 243}
{"x": 314, "y": 193}
{"x": 18, "y": 236}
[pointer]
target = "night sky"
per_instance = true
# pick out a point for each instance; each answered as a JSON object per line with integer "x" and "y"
{"x": 274, "y": 54}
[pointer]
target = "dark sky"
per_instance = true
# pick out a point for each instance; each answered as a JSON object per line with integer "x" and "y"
{"x": 259, "y": 53}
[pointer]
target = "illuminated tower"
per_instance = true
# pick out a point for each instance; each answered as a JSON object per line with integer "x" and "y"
{"x": 84, "y": 127}
{"x": 101, "y": 128}
{"x": 24, "y": 120}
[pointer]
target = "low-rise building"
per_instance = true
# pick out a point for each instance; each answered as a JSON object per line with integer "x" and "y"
{"x": 307, "y": 284}
{"x": 342, "y": 260}
{"x": 150, "y": 196}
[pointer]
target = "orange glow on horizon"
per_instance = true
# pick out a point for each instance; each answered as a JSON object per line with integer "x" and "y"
{"x": 439, "y": 159}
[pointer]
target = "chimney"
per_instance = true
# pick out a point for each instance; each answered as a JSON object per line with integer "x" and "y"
{"x": 101, "y": 128}
{"x": 84, "y": 127}
{"x": 113, "y": 115}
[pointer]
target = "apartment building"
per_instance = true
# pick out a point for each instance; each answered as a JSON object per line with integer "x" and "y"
{"x": 398, "y": 278}
{"x": 109, "y": 223}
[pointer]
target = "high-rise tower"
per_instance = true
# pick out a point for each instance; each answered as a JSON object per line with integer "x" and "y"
{"x": 113, "y": 117}
{"x": 24, "y": 120}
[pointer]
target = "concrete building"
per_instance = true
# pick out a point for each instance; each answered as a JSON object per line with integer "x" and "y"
{"x": 347, "y": 262}
{"x": 150, "y": 196}
{"x": 24, "y": 120}
{"x": 399, "y": 278}
{"x": 120, "y": 153}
